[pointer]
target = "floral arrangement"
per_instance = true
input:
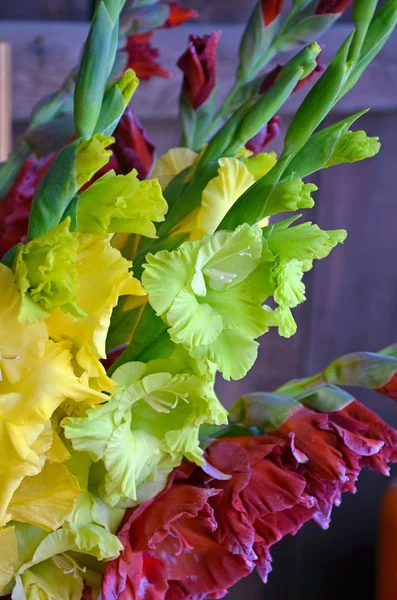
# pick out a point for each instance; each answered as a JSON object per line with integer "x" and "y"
{"x": 128, "y": 285}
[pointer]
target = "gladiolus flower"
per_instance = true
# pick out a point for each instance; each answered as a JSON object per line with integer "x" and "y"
{"x": 327, "y": 7}
{"x": 198, "y": 65}
{"x": 270, "y": 10}
{"x": 15, "y": 208}
{"x": 142, "y": 57}
{"x": 266, "y": 135}
{"x": 133, "y": 149}
{"x": 179, "y": 15}
{"x": 214, "y": 524}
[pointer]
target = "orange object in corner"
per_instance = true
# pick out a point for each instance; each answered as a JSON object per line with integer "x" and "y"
{"x": 387, "y": 553}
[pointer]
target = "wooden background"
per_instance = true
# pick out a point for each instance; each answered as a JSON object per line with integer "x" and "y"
{"x": 351, "y": 295}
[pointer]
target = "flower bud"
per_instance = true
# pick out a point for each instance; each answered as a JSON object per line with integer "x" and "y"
{"x": 270, "y": 10}
{"x": 142, "y": 57}
{"x": 198, "y": 64}
{"x": 328, "y": 7}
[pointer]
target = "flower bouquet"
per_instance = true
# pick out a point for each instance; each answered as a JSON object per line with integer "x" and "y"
{"x": 128, "y": 286}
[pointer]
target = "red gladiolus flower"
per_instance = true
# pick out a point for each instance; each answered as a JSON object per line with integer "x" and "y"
{"x": 15, "y": 208}
{"x": 142, "y": 57}
{"x": 267, "y": 134}
{"x": 133, "y": 148}
{"x": 213, "y": 525}
{"x": 198, "y": 64}
{"x": 179, "y": 15}
{"x": 327, "y": 7}
{"x": 270, "y": 10}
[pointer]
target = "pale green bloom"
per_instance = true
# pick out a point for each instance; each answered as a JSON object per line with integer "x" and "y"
{"x": 211, "y": 292}
{"x": 152, "y": 420}
{"x": 91, "y": 157}
{"x": 294, "y": 249}
{"x": 205, "y": 292}
{"x": 121, "y": 204}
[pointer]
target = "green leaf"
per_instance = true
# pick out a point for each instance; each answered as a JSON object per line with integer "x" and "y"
{"x": 379, "y": 31}
{"x": 96, "y": 64}
{"x": 116, "y": 99}
{"x": 55, "y": 191}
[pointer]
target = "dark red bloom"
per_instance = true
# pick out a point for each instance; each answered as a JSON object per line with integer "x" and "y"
{"x": 390, "y": 388}
{"x": 179, "y": 15}
{"x": 327, "y": 7}
{"x": 267, "y": 134}
{"x": 142, "y": 57}
{"x": 198, "y": 64}
{"x": 15, "y": 208}
{"x": 133, "y": 148}
{"x": 212, "y": 525}
{"x": 270, "y": 10}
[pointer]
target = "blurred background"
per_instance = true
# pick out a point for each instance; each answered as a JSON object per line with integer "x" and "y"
{"x": 351, "y": 295}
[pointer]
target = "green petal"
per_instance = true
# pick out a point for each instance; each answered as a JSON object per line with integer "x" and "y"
{"x": 166, "y": 273}
{"x": 227, "y": 258}
{"x": 352, "y": 147}
{"x": 91, "y": 157}
{"x": 46, "y": 581}
{"x": 290, "y": 196}
{"x": 290, "y": 290}
{"x": 193, "y": 324}
{"x": 233, "y": 352}
{"x": 127, "y": 456}
{"x": 121, "y": 204}
{"x": 304, "y": 241}
{"x": 46, "y": 273}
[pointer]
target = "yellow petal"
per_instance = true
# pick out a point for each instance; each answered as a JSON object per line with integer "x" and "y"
{"x": 46, "y": 499}
{"x": 18, "y": 459}
{"x": 19, "y": 344}
{"x": 260, "y": 164}
{"x": 221, "y": 193}
{"x": 58, "y": 452}
{"x": 104, "y": 275}
{"x": 8, "y": 555}
{"x": 172, "y": 163}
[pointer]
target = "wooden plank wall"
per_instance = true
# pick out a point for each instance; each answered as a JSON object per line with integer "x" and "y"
{"x": 351, "y": 295}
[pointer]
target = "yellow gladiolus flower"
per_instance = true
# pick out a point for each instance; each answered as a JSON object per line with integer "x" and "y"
{"x": 103, "y": 276}
{"x": 37, "y": 376}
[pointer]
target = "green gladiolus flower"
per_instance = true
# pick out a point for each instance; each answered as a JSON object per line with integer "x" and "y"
{"x": 46, "y": 274}
{"x": 294, "y": 249}
{"x": 290, "y": 196}
{"x": 121, "y": 204}
{"x": 352, "y": 147}
{"x": 205, "y": 292}
{"x": 149, "y": 425}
